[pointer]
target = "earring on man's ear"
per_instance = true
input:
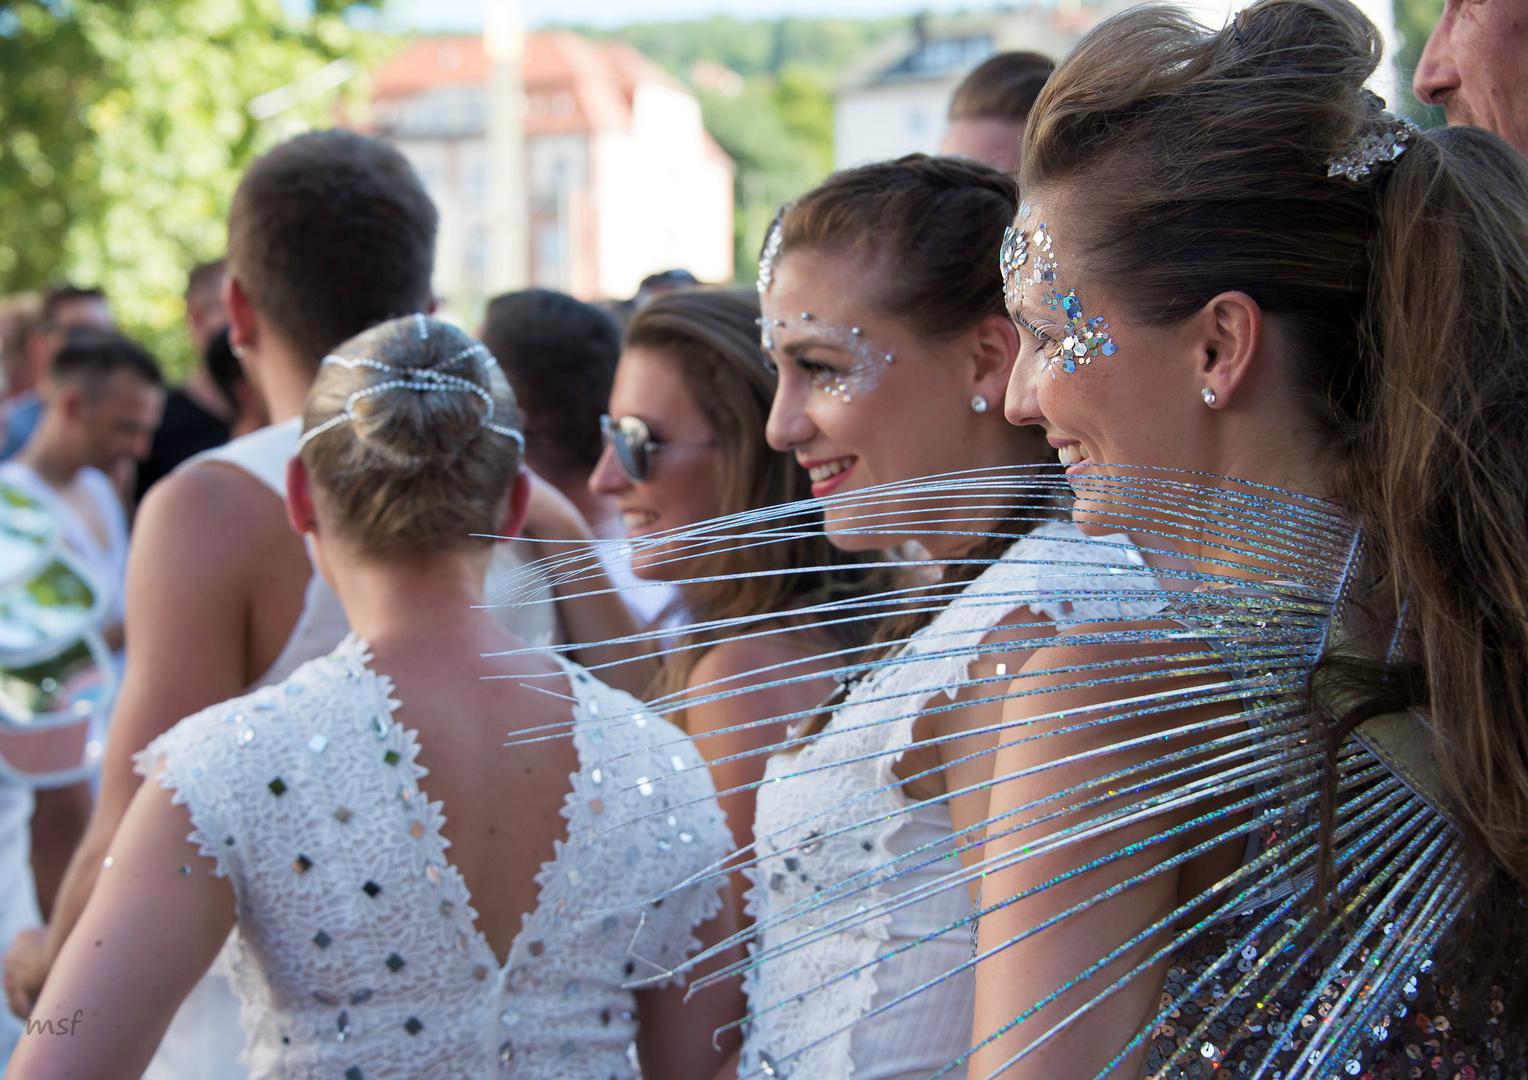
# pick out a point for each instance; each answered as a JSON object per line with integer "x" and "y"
{"x": 1208, "y": 395}
{"x": 978, "y": 404}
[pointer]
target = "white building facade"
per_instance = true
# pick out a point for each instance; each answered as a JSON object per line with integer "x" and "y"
{"x": 622, "y": 179}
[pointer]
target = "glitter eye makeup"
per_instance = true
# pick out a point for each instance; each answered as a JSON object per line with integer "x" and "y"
{"x": 1027, "y": 261}
{"x": 866, "y": 362}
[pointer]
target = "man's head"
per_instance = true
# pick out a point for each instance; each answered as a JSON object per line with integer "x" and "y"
{"x": 991, "y": 107}
{"x": 104, "y": 399}
{"x": 1476, "y": 66}
{"x": 559, "y": 355}
{"x": 330, "y": 233}
{"x": 20, "y": 316}
{"x": 205, "y": 314}
{"x": 64, "y": 308}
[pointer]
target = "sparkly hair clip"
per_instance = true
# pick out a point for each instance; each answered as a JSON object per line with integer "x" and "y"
{"x": 421, "y": 379}
{"x": 771, "y": 251}
{"x": 1384, "y": 143}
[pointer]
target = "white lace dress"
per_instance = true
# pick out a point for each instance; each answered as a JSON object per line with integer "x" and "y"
{"x": 819, "y": 819}
{"x": 356, "y": 955}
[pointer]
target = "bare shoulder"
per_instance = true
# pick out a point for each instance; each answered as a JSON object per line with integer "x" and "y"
{"x": 742, "y": 660}
{"x": 212, "y": 505}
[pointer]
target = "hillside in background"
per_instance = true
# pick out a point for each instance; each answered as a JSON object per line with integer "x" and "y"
{"x": 766, "y": 91}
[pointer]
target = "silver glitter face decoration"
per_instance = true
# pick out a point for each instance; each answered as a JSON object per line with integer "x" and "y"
{"x": 865, "y": 361}
{"x": 805, "y": 333}
{"x": 1029, "y": 261}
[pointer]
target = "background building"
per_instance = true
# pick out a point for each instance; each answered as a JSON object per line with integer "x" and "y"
{"x": 622, "y": 178}
{"x": 895, "y": 101}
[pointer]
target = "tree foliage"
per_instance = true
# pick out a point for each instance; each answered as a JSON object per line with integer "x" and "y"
{"x": 124, "y": 127}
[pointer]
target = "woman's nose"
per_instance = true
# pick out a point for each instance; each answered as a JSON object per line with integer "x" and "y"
{"x": 1021, "y": 403}
{"x": 607, "y": 477}
{"x": 788, "y": 426}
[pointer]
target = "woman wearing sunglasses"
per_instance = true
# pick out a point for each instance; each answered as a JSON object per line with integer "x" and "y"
{"x": 684, "y": 442}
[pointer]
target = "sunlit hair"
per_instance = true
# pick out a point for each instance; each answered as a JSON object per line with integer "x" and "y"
{"x": 712, "y": 336}
{"x": 414, "y": 470}
{"x": 1192, "y": 162}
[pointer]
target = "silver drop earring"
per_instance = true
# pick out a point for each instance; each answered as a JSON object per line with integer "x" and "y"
{"x": 1208, "y": 395}
{"x": 978, "y": 404}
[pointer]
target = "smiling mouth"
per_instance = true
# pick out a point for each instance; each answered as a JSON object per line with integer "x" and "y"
{"x": 633, "y": 520}
{"x": 829, "y": 469}
{"x": 1072, "y": 454}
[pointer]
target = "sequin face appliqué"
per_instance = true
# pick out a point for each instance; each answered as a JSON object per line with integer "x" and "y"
{"x": 1028, "y": 260}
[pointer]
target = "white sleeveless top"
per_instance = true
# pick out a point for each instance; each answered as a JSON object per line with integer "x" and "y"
{"x": 356, "y": 955}
{"x": 204, "y": 1039}
{"x": 264, "y": 455}
{"x": 802, "y": 850}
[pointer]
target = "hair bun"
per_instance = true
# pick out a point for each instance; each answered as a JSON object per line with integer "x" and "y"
{"x": 412, "y": 427}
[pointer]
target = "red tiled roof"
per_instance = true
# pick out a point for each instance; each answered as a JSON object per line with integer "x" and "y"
{"x": 572, "y": 83}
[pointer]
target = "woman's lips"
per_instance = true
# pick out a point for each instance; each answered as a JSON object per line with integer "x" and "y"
{"x": 829, "y": 475}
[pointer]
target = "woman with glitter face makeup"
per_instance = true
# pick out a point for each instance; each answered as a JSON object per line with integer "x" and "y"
{"x": 1234, "y": 272}
{"x": 882, "y": 311}
{"x": 684, "y": 442}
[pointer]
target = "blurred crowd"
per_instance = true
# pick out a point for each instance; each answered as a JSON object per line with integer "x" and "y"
{"x": 635, "y": 417}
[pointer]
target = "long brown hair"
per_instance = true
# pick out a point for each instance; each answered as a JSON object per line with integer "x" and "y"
{"x": 1196, "y": 162}
{"x": 712, "y": 335}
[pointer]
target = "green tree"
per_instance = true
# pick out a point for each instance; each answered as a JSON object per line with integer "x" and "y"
{"x": 1414, "y": 20}
{"x": 124, "y": 127}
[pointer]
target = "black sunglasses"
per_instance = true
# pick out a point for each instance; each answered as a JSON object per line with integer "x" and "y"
{"x": 634, "y": 445}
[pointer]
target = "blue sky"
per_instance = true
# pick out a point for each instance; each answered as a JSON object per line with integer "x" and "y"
{"x": 467, "y": 14}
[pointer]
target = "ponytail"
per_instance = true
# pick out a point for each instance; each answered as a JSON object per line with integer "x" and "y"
{"x": 1447, "y": 457}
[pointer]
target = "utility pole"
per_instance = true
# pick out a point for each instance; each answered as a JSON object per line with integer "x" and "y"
{"x": 508, "y": 245}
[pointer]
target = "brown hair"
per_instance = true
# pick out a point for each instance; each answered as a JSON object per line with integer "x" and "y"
{"x": 713, "y": 337}
{"x": 560, "y": 356}
{"x": 329, "y": 233}
{"x": 1002, "y": 87}
{"x": 1195, "y": 162}
{"x": 415, "y": 469}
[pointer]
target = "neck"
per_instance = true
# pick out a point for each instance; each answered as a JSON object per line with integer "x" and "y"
{"x": 390, "y": 601}
{"x": 47, "y": 454}
{"x": 285, "y": 376}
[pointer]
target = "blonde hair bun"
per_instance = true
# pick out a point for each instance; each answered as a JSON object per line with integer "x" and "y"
{"x": 412, "y": 431}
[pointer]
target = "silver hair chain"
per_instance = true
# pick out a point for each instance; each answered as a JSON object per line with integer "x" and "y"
{"x": 421, "y": 379}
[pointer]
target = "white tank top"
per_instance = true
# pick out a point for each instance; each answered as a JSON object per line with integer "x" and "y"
{"x": 322, "y": 624}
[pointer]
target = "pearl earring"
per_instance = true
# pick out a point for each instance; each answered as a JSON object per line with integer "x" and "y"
{"x": 978, "y": 404}
{"x": 1208, "y": 395}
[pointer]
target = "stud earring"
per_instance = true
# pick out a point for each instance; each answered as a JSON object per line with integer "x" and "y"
{"x": 1208, "y": 395}
{"x": 978, "y": 404}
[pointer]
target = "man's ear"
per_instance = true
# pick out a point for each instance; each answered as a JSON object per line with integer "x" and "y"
{"x": 517, "y": 505}
{"x": 243, "y": 324}
{"x": 299, "y": 498}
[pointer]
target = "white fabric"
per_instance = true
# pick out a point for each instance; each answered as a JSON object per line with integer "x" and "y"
{"x": 310, "y": 955}
{"x": 107, "y": 563}
{"x": 204, "y": 1040}
{"x": 852, "y": 787}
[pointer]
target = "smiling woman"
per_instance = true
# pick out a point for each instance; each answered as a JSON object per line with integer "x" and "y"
{"x": 685, "y": 443}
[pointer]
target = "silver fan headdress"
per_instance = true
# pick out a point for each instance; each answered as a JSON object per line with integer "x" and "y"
{"x": 1148, "y": 797}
